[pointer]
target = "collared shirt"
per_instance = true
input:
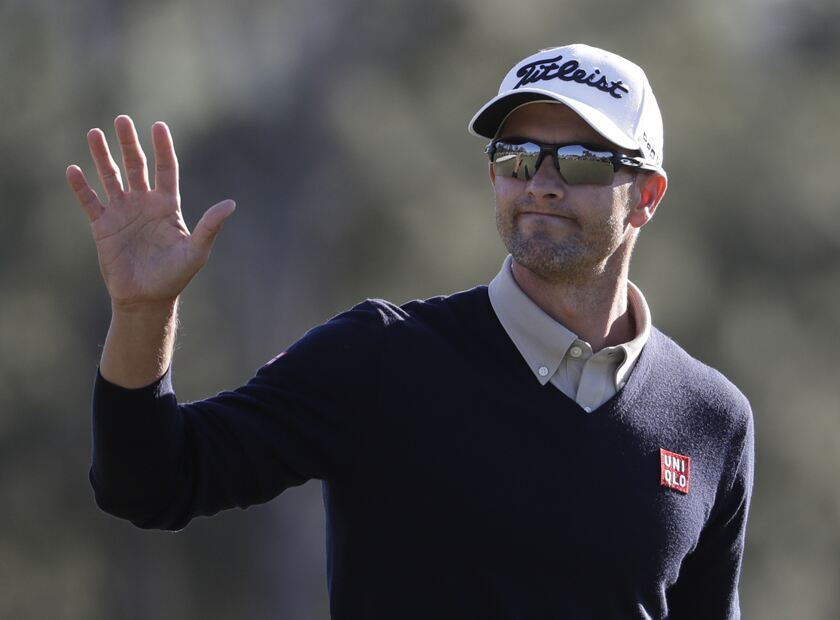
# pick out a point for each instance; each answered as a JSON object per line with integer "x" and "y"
{"x": 556, "y": 355}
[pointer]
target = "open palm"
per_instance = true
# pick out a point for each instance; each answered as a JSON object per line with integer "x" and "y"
{"x": 146, "y": 252}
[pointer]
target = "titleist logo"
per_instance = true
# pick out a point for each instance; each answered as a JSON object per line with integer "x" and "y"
{"x": 569, "y": 71}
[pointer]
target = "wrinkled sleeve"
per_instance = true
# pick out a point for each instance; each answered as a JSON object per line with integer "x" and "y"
{"x": 159, "y": 463}
{"x": 707, "y": 586}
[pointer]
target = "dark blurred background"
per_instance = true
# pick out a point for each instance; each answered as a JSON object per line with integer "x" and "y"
{"x": 340, "y": 129}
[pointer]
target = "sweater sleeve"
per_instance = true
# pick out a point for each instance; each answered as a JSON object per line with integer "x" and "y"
{"x": 159, "y": 463}
{"x": 707, "y": 586}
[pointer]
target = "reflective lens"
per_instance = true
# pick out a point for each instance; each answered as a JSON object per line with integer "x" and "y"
{"x": 518, "y": 161}
{"x": 580, "y": 166}
{"x": 577, "y": 164}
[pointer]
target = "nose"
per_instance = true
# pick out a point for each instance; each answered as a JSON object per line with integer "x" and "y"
{"x": 546, "y": 183}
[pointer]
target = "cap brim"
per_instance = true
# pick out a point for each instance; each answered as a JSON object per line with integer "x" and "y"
{"x": 490, "y": 117}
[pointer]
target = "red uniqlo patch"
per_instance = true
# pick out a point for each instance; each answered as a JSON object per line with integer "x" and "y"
{"x": 674, "y": 470}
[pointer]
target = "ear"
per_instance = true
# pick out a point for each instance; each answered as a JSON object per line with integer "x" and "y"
{"x": 651, "y": 188}
{"x": 492, "y": 172}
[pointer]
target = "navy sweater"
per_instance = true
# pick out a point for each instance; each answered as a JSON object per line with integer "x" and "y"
{"x": 455, "y": 485}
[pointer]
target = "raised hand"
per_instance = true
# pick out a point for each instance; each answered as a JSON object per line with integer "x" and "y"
{"x": 146, "y": 252}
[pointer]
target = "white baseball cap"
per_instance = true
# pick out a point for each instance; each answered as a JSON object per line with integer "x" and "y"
{"x": 609, "y": 92}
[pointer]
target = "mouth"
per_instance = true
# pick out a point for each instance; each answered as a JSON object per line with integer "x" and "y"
{"x": 546, "y": 215}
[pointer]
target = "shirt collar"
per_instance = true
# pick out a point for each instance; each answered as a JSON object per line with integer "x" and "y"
{"x": 640, "y": 312}
{"x": 542, "y": 341}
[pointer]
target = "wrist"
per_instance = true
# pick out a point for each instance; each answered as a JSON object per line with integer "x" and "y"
{"x": 145, "y": 309}
{"x": 138, "y": 347}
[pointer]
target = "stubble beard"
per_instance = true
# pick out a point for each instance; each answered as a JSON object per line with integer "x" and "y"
{"x": 575, "y": 257}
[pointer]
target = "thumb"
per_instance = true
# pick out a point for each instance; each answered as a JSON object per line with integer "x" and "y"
{"x": 210, "y": 224}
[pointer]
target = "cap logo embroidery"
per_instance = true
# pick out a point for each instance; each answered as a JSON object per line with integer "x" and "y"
{"x": 569, "y": 71}
{"x": 674, "y": 470}
{"x": 651, "y": 152}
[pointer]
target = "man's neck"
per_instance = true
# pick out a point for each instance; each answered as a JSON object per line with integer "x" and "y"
{"x": 595, "y": 308}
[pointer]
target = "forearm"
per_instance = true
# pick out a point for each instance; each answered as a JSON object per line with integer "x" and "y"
{"x": 139, "y": 345}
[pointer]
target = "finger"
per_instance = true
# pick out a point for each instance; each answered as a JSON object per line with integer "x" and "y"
{"x": 209, "y": 226}
{"x": 166, "y": 163}
{"x": 134, "y": 159}
{"x": 109, "y": 174}
{"x": 84, "y": 194}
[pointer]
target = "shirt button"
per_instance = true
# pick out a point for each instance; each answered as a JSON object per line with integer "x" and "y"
{"x": 575, "y": 351}
{"x": 588, "y": 409}
{"x": 543, "y": 371}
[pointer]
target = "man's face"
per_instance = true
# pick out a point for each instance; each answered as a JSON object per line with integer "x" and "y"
{"x": 560, "y": 231}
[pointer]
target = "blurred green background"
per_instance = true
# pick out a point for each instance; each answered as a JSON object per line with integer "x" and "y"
{"x": 340, "y": 129}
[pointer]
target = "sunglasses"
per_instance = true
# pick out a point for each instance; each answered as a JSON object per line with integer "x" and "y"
{"x": 578, "y": 164}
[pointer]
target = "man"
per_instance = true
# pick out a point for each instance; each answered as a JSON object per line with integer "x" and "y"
{"x": 531, "y": 449}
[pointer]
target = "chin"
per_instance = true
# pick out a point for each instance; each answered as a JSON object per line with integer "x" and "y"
{"x": 549, "y": 261}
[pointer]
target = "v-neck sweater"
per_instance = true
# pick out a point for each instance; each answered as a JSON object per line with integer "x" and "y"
{"x": 455, "y": 484}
